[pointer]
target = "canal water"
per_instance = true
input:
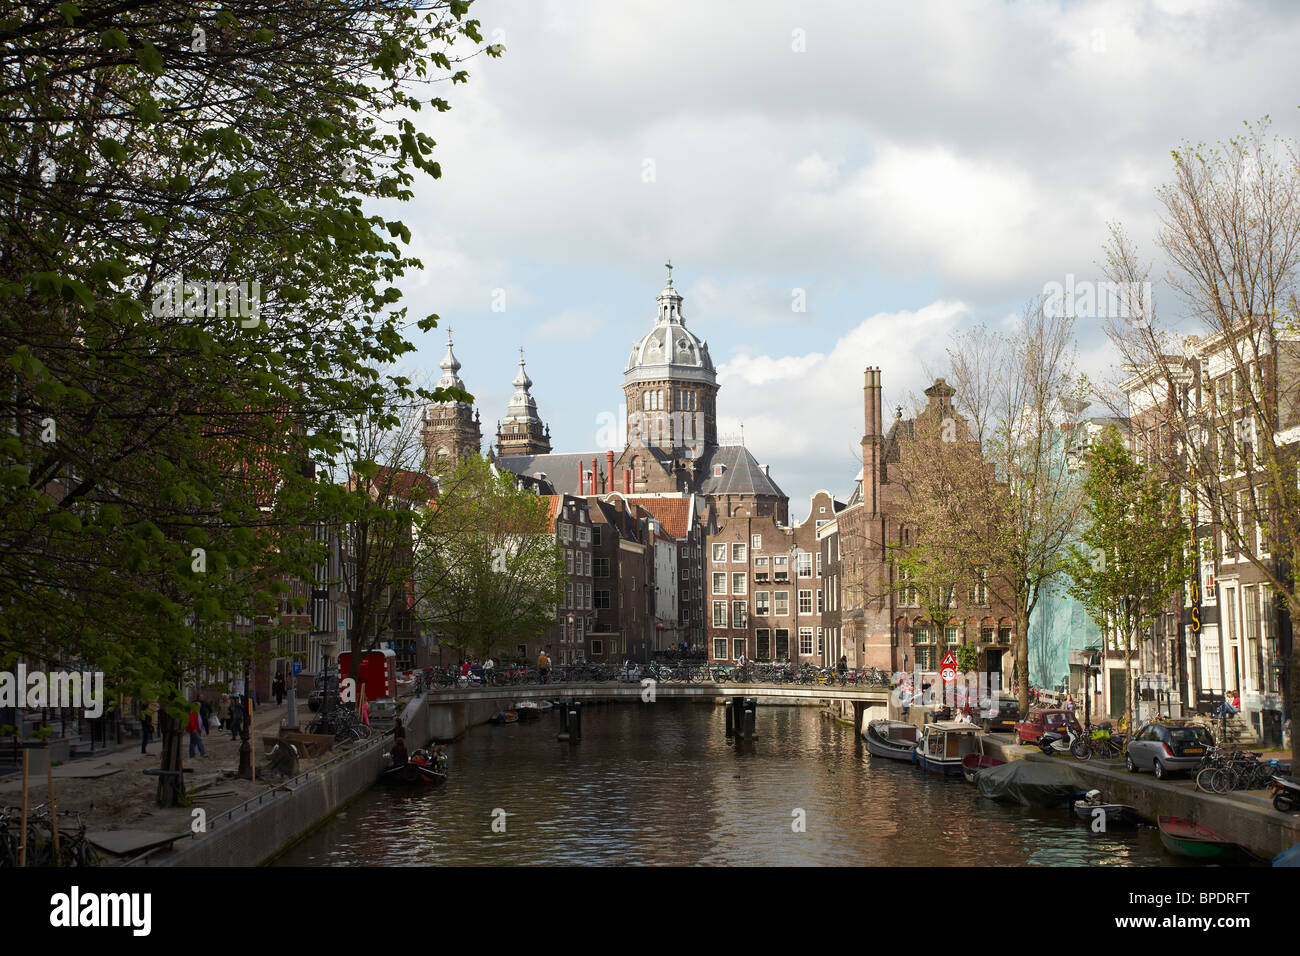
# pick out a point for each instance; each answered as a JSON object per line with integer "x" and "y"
{"x": 660, "y": 784}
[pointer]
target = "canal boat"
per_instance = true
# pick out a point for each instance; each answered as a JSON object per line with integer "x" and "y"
{"x": 528, "y": 710}
{"x": 944, "y": 744}
{"x": 893, "y": 739}
{"x": 1115, "y": 814}
{"x": 972, "y": 764}
{"x": 1032, "y": 784}
{"x": 503, "y": 717}
{"x": 1189, "y": 838}
{"x": 414, "y": 773}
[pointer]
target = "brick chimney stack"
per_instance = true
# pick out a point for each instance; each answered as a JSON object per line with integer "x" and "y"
{"x": 872, "y": 441}
{"x": 609, "y": 469}
{"x": 593, "y": 476}
{"x": 627, "y": 481}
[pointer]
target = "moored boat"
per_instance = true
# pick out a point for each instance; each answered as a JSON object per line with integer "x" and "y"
{"x": 944, "y": 744}
{"x": 413, "y": 773}
{"x": 1189, "y": 838}
{"x": 893, "y": 739}
{"x": 972, "y": 764}
{"x": 1115, "y": 814}
{"x": 503, "y": 717}
{"x": 1032, "y": 783}
{"x": 528, "y": 709}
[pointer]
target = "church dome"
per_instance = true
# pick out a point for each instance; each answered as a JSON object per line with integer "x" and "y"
{"x": 670, "y": 350}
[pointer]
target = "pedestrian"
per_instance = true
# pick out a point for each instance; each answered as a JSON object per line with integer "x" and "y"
{"x": 544, "y": 666}
{"x": 488, "y": 665}
{"x": 146, "y": 730}
{"x": 843, "y": 665}
{"x": 205, "y": 708}
{"x": 235, "y": 715}
{"x": 196, "y": 733}
{"x": 277, "y": 688}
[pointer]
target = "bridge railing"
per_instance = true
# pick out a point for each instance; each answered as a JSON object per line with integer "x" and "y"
{"x": 445, "y": 679}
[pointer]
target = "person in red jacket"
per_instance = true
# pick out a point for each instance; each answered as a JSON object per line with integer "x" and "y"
{"x": 195, "y": 730}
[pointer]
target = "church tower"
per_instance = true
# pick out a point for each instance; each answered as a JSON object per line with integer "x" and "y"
{"x": 522, "y": 432}
{"x": 450, "y": 430}
{"x": 670, "y": 385}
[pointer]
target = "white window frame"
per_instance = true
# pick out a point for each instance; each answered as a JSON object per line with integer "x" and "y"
{"x": 738, "y": 552}
{"x": 720, "y": 552}
{"x": 805, "y": 596}
{"x": 738, "y": 580}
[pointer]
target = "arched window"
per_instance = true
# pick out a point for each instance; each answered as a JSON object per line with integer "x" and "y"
{"x": 645, "y": 401}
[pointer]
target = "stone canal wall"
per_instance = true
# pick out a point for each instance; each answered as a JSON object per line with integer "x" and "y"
{"x": 1246, "y": 818}
{"x": 256, "y": 831}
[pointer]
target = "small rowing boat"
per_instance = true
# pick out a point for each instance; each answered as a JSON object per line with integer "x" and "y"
{"x": 1189, "y": 838}
{"x": 413, "y": 773}
{"x": 504, "y": 717}
{"x": 892, "y": 739}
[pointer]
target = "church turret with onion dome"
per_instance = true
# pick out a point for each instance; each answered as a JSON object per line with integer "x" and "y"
{"x": 521, "y": 432}
{"x": 453, "y": 429}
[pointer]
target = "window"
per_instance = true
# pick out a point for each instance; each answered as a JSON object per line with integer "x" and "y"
{"x": 737, "y": 646}
{"x": 719, "y": 648}
{"x": 719, "y": 582}
{"x": 602, "y": 600}
{"x": 821, "y": 647}
{"x": 760, "y": 569}
{"x": 819, "y": 564}
{"x": 584, "y": 535}
{"x": 782, "y": 645}
{"x": 763, "y": 644}
{"x": 986, "y": 635}
{"x": 738, "y": 582}
{"x": 719, "y": 554}
{"x": 951, "y": 635}
{"x": 719, "y": 613}
{"x": 738, "y": 553}
{"x": 739, "y": 614}
{"x": 782, "y": 603}
{"x": 1004, "y": 635}
{"x": 760, "y": 603}
{"x": 566, "y": 531}
{"x": 805, "y": 602}
{"x": 804, "y": 564}
{"x": 805, "y": 641}
{"x": 756, "y": 542}
{"x": 686, "y": 574}
{"x": 820, "y": 604}
{"x": 586, "y": 564}
{"x": 980, "y": 593}
{"x": 781, "y": 567}
{"x": 601, "y": 567}
{"x": 595, "y": 535}
{"x": 568, "y": 561}
{"x": 923, "y": 638}
{"x": 597, "y": 648}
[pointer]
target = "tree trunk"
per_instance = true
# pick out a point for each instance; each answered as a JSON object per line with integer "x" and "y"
{"x": 1022, "y": 661}
{"x": 171, "y": 786}
{"x": 1292, "y": 691}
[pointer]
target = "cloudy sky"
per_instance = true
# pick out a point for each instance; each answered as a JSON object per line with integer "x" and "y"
{"x": 907, "y": 169}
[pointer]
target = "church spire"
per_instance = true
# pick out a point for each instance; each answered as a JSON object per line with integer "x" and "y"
{"x": 450, "y": 367}
{"x": 521, "y": 432}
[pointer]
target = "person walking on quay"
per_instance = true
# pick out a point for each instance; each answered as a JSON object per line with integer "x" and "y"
{"x": 205, "y": 708}
{"x": 196, "y": 733}
{"x": 235, "y": 715}
{"x": 277, "y": 688}
{"x": 544, "y": 666}
{"x": 146, "y": 730}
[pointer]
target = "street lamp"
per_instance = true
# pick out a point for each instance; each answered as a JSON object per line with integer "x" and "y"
{"x": 569, "y": 641}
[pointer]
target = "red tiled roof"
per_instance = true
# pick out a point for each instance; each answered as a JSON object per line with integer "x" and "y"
{"x": 672, "y": 513}
{"x": 553, "y": 503}
{"x": 406, "y": 485}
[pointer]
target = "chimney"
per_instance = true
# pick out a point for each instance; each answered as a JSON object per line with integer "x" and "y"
{"x": 579, "y": 478}
{"x": 609, "y": 469}
{"x": 871, "y": 442}
{"x": 627, "y": 481}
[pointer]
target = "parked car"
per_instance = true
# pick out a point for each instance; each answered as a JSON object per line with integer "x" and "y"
{"x": 1041, "y": 719}
{"x": 1001, "y": 717}
{"x": 1167, "y": 746}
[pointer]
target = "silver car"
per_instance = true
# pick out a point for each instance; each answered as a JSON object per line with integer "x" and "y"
{"x": 1166, "y": 747}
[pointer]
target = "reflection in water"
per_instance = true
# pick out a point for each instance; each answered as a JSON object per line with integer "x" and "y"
{"x": 660, "y": 784}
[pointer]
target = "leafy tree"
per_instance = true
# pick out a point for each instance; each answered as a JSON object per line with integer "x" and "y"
{"x": 156, "y": 472}
{"x": 1132, "y": 558}
{"x": 489, "y": 568}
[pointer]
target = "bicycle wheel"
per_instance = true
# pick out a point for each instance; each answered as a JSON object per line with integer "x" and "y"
{"x": 1221, "y": 780}
{"x": 1204, "y": 779}
{"x": 1080, "y": 749}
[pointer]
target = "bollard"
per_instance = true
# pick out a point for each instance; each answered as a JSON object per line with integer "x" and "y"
{"x": 751, "y": 716}
{"x": 575, "y": 718}
{"x": 731, "y": 720}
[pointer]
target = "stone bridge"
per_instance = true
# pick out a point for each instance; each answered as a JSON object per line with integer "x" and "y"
{"x": 448, "y": 713}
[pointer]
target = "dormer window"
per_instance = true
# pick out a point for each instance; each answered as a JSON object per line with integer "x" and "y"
{"x": 718, "y": 470}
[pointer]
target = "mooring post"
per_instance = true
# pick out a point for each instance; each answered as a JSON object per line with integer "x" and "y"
{"x": 751, "y": 716}
{"x": 731, "y": 719}
{"x": 575, "y": 721}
